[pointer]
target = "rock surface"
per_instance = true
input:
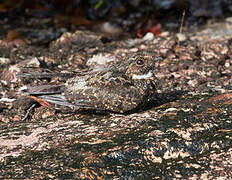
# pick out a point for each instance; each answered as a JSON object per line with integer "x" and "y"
{"x": 184, "y": 132}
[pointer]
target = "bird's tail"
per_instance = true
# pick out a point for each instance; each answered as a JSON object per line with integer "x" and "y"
{"x": 43, "y": 89}
{"x": 48, "y": 93}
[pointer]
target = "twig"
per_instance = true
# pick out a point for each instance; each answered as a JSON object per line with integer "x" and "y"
{"x": 28, "y": 111}
{"x": 181, "y": 27}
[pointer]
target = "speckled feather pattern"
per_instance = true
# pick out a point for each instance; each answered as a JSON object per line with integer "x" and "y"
{"x": 113, "y": 88}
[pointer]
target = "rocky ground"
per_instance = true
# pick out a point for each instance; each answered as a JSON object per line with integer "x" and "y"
{"x": 183, "y": 132}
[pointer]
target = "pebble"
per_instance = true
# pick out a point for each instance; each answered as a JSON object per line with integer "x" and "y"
{"x": 4, "y": 60}
{"x": 33, "y": 62}
{"x": 227, "y": 64}
{"x": 193, "y": 83}
{"x": 100, "y": 60}
{"x": 229, "y": 19}
{"x": 4, "y": 119}
{"x": 148, "y": 37}
{"x": 164, "y": 34}
{"x": 181, "y": 37}
{"x": 134, "y": 49}
{"x": 143, "y": 47}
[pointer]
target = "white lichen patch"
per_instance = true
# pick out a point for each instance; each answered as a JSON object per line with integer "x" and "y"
{"x": 149, "y": 156}
{"x": 173, "y": 154}
{"x": 100, "y": 59}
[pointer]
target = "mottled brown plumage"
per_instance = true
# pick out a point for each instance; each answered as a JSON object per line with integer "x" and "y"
{"x": 118, "y": 88}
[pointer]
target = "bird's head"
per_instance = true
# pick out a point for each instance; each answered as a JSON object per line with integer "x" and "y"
{"x": 140, "y": 66}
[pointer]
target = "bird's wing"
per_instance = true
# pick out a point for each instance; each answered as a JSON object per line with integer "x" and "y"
{"x": 115, "y": 97}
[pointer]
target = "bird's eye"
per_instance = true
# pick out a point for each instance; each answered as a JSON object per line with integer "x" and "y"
{"x": 140, "y": 62}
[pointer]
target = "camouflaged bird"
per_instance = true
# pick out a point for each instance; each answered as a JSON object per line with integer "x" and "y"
{"x": 118, "y": 88}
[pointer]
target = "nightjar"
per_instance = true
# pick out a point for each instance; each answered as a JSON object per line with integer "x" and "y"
{"x": 118, "y": 88}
